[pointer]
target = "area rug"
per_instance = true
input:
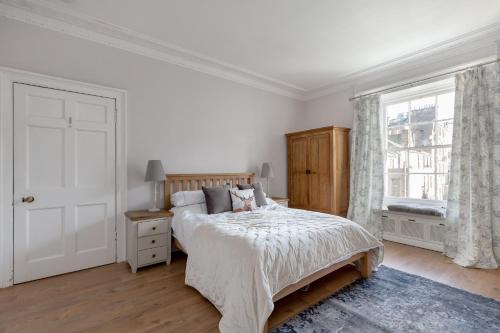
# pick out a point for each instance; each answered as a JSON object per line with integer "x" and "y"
{"x": 394, "y": 301}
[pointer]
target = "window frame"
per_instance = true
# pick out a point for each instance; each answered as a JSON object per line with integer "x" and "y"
{"x": 406, "y": 95}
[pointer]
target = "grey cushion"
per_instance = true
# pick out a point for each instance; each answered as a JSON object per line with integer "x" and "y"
{"x": 418, "y": 209}
{"x": 218, "y": 199}
{"x": 260, "y": 197}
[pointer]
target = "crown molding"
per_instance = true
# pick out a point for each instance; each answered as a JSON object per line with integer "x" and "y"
{"x": 484, "y": 38}
{"x": 61, "y": 19}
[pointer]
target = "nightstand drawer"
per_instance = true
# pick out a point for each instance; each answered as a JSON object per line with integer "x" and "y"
{"x": 149, "y": 242}
{"x": 154, "y": 227}
{"x": 146, "y": 257}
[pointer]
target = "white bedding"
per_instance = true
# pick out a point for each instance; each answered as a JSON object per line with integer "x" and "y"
{"x": 238, "y": 261}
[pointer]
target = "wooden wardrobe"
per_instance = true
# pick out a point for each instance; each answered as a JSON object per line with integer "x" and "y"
{"x": 318, "y": 170}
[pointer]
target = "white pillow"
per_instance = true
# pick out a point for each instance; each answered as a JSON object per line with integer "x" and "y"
{"x": 185, "y": 198}
{"x": 200, "y": 208}
{"x": 243, "y": 200}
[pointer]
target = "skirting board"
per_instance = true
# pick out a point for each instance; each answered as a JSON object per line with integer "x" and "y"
{"x": 414, "y": 242}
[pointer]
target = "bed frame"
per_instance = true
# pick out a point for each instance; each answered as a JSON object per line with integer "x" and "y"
{"x": 193, "y": 182}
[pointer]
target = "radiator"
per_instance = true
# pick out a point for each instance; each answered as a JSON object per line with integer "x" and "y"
{"x": 417, "y": 230}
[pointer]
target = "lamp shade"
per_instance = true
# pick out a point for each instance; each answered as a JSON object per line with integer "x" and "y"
{"x": 154, "y": 171}
{"x": 267, "y": 170}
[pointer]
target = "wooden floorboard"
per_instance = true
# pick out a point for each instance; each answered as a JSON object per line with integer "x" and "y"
{"x": 111, "y": 299}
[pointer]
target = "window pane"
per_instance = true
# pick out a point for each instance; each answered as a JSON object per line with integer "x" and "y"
{"x": 421, "y": 160}
{"x": 422, "y": 135}
{"x": 415, "y": 167}
{"x": 397, "y": 137}
{"x": 443, "y": 160}
{"x": 444, "y": 132}
{"x": 396, "y": 186}
{"x": 446, "y": 105}
{"x": 397, "y": 114}
{"x": 423, "y": 109}
{"x": 442, "y": 187}
{"x": 421, "y": 186}
{"x": 396, "y": 161}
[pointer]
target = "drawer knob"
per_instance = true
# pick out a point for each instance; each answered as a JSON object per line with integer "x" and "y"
{"x": 154, "y": 228}
{"x": 153, "y": 241}
{"x": 153, "y": 256}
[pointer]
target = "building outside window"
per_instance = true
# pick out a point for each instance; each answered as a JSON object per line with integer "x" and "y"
{"x": 419, "y": 130}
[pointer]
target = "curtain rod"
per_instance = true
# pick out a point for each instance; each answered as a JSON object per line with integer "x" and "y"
{"x": 413, "y": 83}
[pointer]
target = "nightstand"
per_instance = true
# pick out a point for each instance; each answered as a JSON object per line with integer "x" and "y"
{"x": 148, "y": 238}
{"x": 281, "y": 201}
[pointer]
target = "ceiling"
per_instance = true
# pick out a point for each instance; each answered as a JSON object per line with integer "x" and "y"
{"x": 301, "y": 44}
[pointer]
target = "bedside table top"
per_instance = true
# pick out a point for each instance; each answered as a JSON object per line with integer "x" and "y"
{"x": 139, "y": 215}
{"x": 279, "y": 199}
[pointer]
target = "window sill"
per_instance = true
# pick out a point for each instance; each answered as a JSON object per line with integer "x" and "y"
{"x": 422, "y": 202}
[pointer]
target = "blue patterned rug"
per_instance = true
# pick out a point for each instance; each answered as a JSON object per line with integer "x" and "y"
{"x": 394, "y": 301}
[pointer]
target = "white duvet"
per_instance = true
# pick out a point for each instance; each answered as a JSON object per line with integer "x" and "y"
{"x": 238, "y": 261}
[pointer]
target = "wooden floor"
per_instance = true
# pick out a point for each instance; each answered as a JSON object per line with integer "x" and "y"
{"x": 111, "y": 299}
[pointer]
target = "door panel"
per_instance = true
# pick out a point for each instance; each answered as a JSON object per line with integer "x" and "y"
{"x": 45, "y": 233}
{"x": 45, "y": 166}
{"x": 298, "y": 177}
{"x": 320, "y": 165}
{"x": 46, "y": 106}
{"x": 64, "y": 156}
{"x": 91, "y": 150}
{"x": 91, "y": 227}
{"x": 92, "y": 113}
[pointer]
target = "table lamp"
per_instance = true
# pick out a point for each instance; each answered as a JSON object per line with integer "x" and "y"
{"x": 155, "y": 173}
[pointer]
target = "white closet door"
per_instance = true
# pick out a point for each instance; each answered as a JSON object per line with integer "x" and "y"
{"x": 64, "y": 157}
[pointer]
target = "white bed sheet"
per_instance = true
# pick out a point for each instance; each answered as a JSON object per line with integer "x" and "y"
{"x": 238, "y": 261}
{"x": 183, "y": 227}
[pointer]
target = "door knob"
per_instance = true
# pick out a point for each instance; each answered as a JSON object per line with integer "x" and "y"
{"x": 29, "y": 199}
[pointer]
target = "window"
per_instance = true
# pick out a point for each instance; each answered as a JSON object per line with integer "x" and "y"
{"x": 419, "y": 130}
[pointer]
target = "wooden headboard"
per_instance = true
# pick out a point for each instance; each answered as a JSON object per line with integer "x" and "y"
{"x": 194, "y": 181}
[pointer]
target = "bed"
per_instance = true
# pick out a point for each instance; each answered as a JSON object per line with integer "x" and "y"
{"x": 244, "y": 262}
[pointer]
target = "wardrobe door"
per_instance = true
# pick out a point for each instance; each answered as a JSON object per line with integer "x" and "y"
{"x": 320, "y": 175}
{"x": 297, "y": 176}
{"x": 341, "y": 172}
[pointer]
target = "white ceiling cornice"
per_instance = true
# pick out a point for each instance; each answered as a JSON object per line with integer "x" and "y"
{"x": 64, "y": 20}
{"x": 58, "y": 18}
{"x": 485, "y": 37}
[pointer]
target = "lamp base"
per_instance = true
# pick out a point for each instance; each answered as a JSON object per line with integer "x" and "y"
{"x": 154, "y": 210}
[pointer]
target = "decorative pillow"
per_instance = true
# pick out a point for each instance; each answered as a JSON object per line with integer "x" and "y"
{"x": 218, "y": 199}
{"x": 243, "y": 200}
{"x": 260, "y": 196}
{"x": 186, "y": 198}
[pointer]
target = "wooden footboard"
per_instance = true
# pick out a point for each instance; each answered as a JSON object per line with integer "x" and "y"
{"x": 363, "y": 266}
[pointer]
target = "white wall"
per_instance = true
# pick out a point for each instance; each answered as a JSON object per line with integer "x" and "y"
{"x": 191, "y": 121}
{"x": 334, "y": 109}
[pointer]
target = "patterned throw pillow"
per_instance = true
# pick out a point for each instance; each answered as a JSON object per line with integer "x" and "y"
{"x": 243, "y": 200}
{"x": 260, "y": 196}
